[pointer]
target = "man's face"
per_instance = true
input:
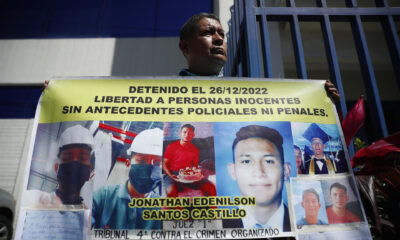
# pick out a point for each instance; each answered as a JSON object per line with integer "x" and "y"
{"x": 206, "y": 50}
{"x": 258, "y": 170}
{"x": 81, "y": 155}
{"x": 297, "y": 155}
{"x": 140, "y": 158}
{"x": 338, "y": 197}
{"x": 73, "y": 170}
{"x": 142, "y": 171}
{"x": 311, "y": 204}
{"x": 186, "y": 134}
{"x": 317, "y": 146}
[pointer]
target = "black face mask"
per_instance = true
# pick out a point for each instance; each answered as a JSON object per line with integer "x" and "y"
{"x": 71, "y": 177}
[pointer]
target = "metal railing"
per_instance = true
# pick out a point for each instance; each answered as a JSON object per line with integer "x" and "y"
{"x": 249, "y": 41}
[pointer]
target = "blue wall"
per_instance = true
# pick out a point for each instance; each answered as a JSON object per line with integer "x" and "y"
{"x": 96, "y": 18}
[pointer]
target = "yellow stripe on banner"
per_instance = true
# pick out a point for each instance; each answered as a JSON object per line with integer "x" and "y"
{"x": 186, "y": 100}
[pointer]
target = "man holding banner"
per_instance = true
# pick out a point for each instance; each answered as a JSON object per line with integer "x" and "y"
{"x": 258, "y": 155}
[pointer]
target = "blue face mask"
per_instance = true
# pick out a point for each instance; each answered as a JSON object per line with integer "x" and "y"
{"x": 140, "y": 177}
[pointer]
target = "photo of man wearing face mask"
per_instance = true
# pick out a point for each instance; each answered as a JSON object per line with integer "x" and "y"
{"x": 73, "y": 168}
{"x": 110, "y": 208}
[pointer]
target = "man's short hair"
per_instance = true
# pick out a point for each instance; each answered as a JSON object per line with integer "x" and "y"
{"x": 338, "y": 185}
{"x": 256, "y": 131}
{"x": 188, "y": 126}
{"x": 296, "y": 147}
{"x": 310, "y": 190}
{"x": 191, "y": 25}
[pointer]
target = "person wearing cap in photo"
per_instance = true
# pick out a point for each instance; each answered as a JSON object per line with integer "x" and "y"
{"x": 319, "y": 162}
{"x": 311, "y": 205}
{"x": 73, "y": 168}
{"x": 180, "y": 155}
{"x": 110, "y": 208}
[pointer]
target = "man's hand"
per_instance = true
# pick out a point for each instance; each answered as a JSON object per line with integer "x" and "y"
{"x": 332, "y": 91}
{"x": 51, "y": 201}
{"x": 167, "y": 171}
{"x": 45, "y": 84}
{"x": 175, "y": 178}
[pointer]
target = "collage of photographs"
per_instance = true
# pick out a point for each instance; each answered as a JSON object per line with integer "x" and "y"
{"x": 297, "y": 173}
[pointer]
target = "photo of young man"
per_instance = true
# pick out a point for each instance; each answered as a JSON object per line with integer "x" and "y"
{"x": 321, "y": 147}
{"x": 183, "y": 156}
{"x": 110, "y": 208}
{"x": 308, "y": 202}
{"x": 311, "y": 205}
{"x": 337, "y": 213}
{"x": 72, "y": 168}
{"x": 257, "y": 167}
{"x": 342, "y": 204}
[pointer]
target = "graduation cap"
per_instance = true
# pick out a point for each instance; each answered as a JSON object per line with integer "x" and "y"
{"x": 314, "y": 131}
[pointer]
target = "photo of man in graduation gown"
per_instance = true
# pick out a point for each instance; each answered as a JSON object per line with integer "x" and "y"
{"x": 320, "y": 162}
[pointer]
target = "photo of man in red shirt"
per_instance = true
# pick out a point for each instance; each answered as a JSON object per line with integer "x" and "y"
{"x": 337, "y": 213}
{"x": 181, "y": 155}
